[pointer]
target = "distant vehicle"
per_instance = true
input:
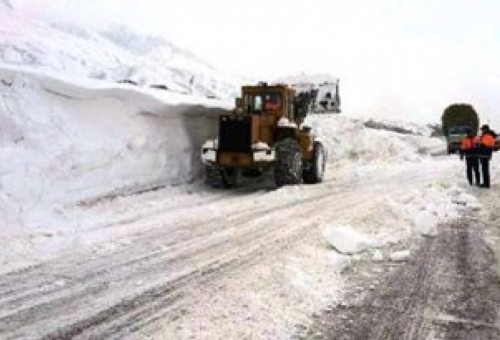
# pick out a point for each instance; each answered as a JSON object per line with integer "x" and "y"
{"x": 457, "y": 120}
{"x": 455, "y": 135}
{"x": 264, "y": 131}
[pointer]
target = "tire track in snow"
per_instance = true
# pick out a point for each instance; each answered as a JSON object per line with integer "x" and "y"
{"x": 41, "y": 307}
{"x": 449, "y": 290}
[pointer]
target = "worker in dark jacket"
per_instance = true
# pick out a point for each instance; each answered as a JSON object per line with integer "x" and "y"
{"x": 486, "y": 145}
{"x": 469, "y": 149}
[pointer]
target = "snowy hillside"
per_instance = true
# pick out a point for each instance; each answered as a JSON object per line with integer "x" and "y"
{"x": 117, "y": 54}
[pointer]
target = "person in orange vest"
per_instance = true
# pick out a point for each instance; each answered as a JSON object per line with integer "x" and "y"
{"x": 469, "y": 150}
{"x": 486, "y": 145}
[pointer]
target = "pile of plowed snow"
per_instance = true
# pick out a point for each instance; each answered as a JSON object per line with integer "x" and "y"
{"x": 350, "y": 140}
{"x": 63, "y": 143}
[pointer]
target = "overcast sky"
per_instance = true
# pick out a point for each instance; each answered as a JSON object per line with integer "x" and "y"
{"x": 393, "y": 56}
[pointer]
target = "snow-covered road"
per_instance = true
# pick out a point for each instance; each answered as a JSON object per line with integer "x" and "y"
{"x": 216, "y": 264}
{"x": 449, "y": 289}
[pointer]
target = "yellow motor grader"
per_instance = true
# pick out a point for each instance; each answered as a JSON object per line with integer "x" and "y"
{"x": 264, "y": 132}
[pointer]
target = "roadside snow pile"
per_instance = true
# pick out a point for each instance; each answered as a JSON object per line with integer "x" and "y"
{"x": 345, "y": 239}
{"x": 428, "y": 209}
{"x": 64, "y": 143}
{"x": 348, "y": 139}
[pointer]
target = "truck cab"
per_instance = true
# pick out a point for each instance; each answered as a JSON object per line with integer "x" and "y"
{"x": 455, "y": 136}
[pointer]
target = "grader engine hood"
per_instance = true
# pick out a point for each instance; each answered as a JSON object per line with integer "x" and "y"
{"x": 235, "y": 133}
{"x": 238, "y": 143}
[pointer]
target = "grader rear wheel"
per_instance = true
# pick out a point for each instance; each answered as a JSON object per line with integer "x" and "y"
{"x": 315, "y": 172}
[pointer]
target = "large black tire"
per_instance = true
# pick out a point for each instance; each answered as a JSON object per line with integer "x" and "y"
{"x": 251, "y": 172}
{"x": 288, "y": 167}
{"x": 315, "y": 171}
{"x": 219, "y": 177}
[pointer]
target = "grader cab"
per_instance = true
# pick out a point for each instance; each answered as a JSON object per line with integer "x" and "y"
{"x": 264, "y": 132}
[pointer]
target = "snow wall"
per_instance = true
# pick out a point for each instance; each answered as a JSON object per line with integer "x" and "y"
{"x": 62, "y": 143}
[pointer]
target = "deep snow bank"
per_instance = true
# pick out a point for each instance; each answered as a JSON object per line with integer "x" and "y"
{"x": 64, "y": 143}
{"x": 348, "y": 139}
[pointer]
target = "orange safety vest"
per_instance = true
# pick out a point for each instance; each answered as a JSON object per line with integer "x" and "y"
{"x": 487, "y": 140}
{"x": 468, "y": 143}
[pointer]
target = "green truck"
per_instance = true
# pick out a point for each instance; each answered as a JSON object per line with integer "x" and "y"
{"x": 457, "y": 120}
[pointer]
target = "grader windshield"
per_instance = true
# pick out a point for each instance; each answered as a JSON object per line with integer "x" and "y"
{"x": 270, "y": 101}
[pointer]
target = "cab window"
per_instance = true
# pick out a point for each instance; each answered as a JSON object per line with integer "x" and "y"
{"x": 253, "y": 103}
{"x": 273, "y": 102}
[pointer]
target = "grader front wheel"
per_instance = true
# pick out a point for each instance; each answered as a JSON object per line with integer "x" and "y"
{"x": 288, "y": 167}
{"x": 219, "y": 177}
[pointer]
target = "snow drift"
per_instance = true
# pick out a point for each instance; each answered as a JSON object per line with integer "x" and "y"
{"x": 65, "y": 143}
{"x": 351, "y": 140}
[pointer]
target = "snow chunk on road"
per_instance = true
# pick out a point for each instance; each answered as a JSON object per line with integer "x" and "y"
{"x": 345, "y": 239}
{"x": 338, "y": 261}
{"x": 400, "y": 256}
{"x": 378, "y": 256}
{"x": 467, "y": 200}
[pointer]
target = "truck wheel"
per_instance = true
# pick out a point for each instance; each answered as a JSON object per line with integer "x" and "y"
{"x": 288, "y": 167}
{"x": 315, "y": 172}
{"x": 219, "y": 177}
